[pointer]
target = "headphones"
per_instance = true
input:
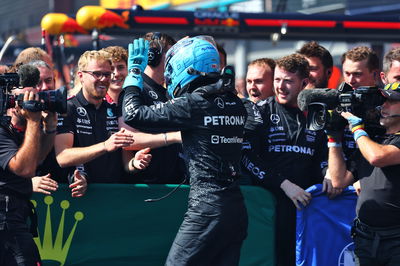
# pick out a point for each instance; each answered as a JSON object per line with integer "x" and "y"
{"x": 155, "y": 53}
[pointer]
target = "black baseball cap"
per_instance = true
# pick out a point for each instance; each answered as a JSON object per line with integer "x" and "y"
{"x": 391, "y": 91}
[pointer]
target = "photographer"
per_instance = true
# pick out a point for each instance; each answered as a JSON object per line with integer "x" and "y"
{"x": 211, "y": 120}
{"x": 24, "y": 143}
{"x": 376, "y": 231}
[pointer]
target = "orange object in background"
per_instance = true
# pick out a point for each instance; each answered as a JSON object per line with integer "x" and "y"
{"x": 336, "y": 78}
{"x": 90, "y": 17}
{"x": 59, "y": 23}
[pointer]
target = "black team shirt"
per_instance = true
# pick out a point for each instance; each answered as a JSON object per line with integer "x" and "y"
{"x": 91, "y": 126}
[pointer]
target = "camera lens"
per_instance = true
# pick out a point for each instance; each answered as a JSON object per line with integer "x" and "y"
{"x": 316, "y": 118}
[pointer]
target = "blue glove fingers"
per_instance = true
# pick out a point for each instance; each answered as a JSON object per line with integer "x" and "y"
{"x": 130, "y": 53}
{"x": 354, "y": 121}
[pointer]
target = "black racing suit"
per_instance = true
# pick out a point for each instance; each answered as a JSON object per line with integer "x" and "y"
{"x": 376, "y": 230}
{"x": 211, "y": 126}
{"x": 277, "y": 146}
{"x": 16, "y": 243}
{"x": 166, "y": 166}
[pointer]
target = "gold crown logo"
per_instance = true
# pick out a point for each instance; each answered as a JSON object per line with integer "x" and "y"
{"x": 56, "y": 250}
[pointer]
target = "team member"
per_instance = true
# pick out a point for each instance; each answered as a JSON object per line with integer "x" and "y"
{"x": 260, "y": 79}
{"x": 89, "y": 137}
{"x": 211, "y": 121}
{"x": 283, "y": 156}
{"x": 391, "y": 67}
{"x": 119, "y": 57}
{"x": 321, "y": 64}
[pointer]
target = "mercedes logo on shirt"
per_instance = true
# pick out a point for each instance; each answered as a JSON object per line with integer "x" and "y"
{"x": 219, "y": 102}
{"x": 275, "y": 118}
{"x": 153, "y": 95}
{"x": 81, "y": 111}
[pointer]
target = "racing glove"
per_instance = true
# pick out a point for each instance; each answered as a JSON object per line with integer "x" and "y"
{"x": 137, "y": 62}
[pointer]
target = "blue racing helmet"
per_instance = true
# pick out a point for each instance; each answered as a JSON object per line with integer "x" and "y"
{"x": 187, "y": 60}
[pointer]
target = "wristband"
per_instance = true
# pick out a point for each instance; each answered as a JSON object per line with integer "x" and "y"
{"x": 359, "y": 133}
{"x": 334, "y": 144}
{"x": 165, "y": 139}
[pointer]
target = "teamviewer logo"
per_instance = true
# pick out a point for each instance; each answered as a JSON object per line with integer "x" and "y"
{"x": 214, "y": 139}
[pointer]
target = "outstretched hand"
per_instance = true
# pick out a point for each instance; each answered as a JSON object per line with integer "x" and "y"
{"x": 142, "y": 159}
{"x": 44, "y": 184}
{"x": 120, "y": 139}
{"x": 79, "y": 186}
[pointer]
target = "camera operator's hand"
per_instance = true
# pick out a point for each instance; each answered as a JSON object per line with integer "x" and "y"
{"x": 79, "y": 186}
{"x": 49, "y": 121}
{"x": 296, "y": 194}
{"x": 31, "y": 96}
{"x": 334, "y": 134}
{"x": 120, "y": 139}
{"x": 137, "y": 62}
{"x": 356, "y": 125}
{"x": 44, "y": 184}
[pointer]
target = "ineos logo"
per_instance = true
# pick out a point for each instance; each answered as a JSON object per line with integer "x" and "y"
{"x": 275, "y": 119}
{"x": 220, "y": 103}
{"x": 81, "y": 111}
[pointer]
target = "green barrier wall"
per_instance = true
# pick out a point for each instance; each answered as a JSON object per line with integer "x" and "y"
{"x": 112, "y": 225}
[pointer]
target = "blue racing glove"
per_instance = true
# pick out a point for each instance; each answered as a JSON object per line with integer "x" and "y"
{"x": 137, "y": 62}
{"x": 356, "y": 125}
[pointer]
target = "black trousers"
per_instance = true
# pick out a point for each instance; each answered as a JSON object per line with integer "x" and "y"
{"x": 376, "y": 246}
{"x": 285, "y": 231}
{"x": 17, "y": 247}
{"x": 212, "y": 232}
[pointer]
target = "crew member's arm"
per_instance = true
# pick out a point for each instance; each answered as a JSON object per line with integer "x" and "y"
{"x": 377, "y": 154}
{"x": 147, "y": 140}
{"x": 337, "y": 169}
{"x": 67, "y": 155}
{"x": 26, "y": 160}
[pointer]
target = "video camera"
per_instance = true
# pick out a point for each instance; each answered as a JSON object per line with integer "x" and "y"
{"x": 325, "y": 105}
{"x": 28, "y": 76}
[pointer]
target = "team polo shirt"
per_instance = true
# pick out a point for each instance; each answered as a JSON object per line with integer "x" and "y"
{"x": 91, "y": 126}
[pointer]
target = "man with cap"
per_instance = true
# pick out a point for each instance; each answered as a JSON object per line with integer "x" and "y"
{"x": 376, "y": 230}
